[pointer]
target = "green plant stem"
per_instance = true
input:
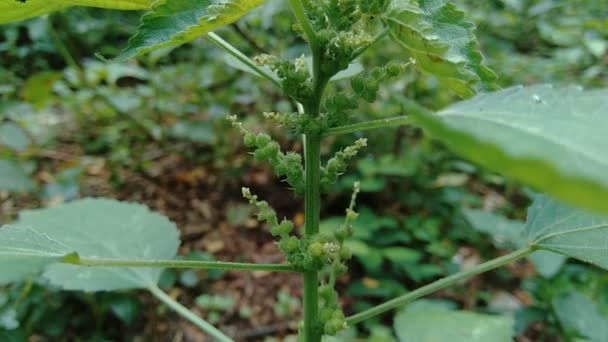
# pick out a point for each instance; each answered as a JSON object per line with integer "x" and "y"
{"x": 312, "y": 214}
{"x": 217, "y": 40}
{"x": 369, "y": 125}
{"x": 309, "y": 32}
{"x": 189, "y": 315}
{"x": 210, "y": 265}
{"x": 438, "y": 285}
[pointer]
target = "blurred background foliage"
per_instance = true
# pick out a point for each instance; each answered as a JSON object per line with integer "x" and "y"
{"x": 73, "y": 124}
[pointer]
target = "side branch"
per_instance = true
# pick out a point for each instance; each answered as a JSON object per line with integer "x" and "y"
{"x": 369, "y": 125}
{"x": 217, "y": 40}
{"x": 189, "y": 315}
{"x": 210, "y": 265}
{"x": 438, "y": 285}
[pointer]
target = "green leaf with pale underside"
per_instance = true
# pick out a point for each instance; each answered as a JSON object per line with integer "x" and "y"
{"x": 574, "y": 232}
{"x": 172, "y": 23}
{"x": 89, "y": 228}
{"x": 453, "y": 326}
{"x": 12, "y": 10}
{"x": 443, "y": 43}
{"x": 551, "y": 138}
{"x": 510, "y": 234}
{"x": 25, "y": 251}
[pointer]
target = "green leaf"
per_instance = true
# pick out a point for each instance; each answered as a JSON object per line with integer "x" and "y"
{"x": 102, "y": 228}
{"x": 25, "y": 251}
{"x": 436, "y": 34}
{"x": 172, "y": 23}
{"x": 510, "y": 234}
{"x": 13, "y": 177}
{"x": 574, "y": 232}
{"x": 12, "y": 10}
{"x": 578, "y": 315}
{"x": 13, "y": 137}
{"x": 38, "y": 88}
{"x": 506, "y": 233}
{"x": 553, "y": 139}
{"x": 453, "y": 326}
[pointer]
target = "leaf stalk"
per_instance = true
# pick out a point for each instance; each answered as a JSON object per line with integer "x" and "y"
{"x": 438, "y": 285}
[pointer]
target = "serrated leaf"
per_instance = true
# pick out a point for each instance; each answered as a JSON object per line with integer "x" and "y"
{"x": 13, "y": 177}
{"x": 443, "y": 43}
{"x": 574, "y": 232}
{"x": 172, "y": 23}
{"x": 510, "y": 234}
{"x": 25, "y": 251}
{"x": 453, "y": 326}
{"x": 102, "y": 228}
{"x": 12, "y": 10}
{"x": 553, "y": 139}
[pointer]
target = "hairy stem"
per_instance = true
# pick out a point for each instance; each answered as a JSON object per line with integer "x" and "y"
{"x": 369, "y": 125}
{"x": 189, "y": 315}
{"x": 236, "y": 53}
{"x": 438, "y": 285}
{"x": 210, "y": 265}
{"x": 312, "y": 209}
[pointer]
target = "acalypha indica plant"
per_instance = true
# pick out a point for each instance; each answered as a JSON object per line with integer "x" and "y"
{"x": 553, "y": 139}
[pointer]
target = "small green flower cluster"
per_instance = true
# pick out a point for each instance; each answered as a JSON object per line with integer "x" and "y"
{"x": 288, "y": 165}
{"x": 291, "y": 121}
{"x": 331, "y": 316}
{"x": 311, "y": 253}
{"x": 338, "y": 164}
{"x": 294, "y": 75}
{"x": 367, "y": 85}
{"x": 337, "y": 107}
{"x": 340, "y": 30}
{"x": 283, "y": 229}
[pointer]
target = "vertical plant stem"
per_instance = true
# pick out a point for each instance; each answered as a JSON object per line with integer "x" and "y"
{"x": 312, "y": 209}
{"x": 189, "y": 315}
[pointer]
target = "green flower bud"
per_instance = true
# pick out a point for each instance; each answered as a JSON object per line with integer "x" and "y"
{"x": 262, "y": 139}
{"x": 285, "y": 227}
{"x": 325, "y": 314}
{"x": 289, "y": 245}
{"x": 249, "y": 139}
{"x": 394, "y": 69}
{"x": 340, "y": 269}
{"x": 316, "y": 249}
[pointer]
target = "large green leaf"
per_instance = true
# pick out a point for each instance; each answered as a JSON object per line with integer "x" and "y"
{"x": 25, "y": 251}
{"x": 453, "y": 326}
{"x": 553, "y": 139}
{"x": 12, "y": 10}
{"x": 443, "y": 43}
{"x": 510, "y": 234}
{"x": 13, "y": 177}
{"x": 172, "y": 23}
{"x": 98, "y": 228}
{"x": 574, "y": 232}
